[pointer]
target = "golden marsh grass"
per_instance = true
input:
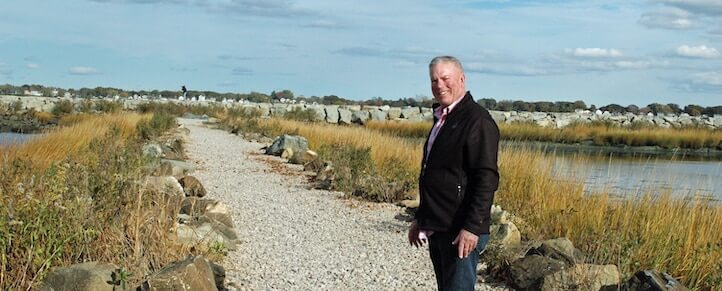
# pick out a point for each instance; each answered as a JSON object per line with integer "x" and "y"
{"x": 74, "y": 195}
{"x": 652, "y": 231}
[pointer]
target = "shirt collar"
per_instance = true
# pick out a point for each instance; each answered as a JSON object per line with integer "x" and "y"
{"x": 440, "y": 110}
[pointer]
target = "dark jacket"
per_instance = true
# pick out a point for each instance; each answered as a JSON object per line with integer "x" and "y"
{"x": 458, "y": 179}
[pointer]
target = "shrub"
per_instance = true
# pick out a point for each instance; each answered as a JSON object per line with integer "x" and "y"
{"x": 63, "y": 107}
{"x": 107, "y": 106}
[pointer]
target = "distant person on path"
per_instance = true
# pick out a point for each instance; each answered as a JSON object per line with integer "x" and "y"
{"x": 459, "y": 176}
{"x": 185, "y": 92}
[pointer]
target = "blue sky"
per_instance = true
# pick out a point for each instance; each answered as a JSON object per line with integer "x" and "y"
{"x": 601, "y": 52}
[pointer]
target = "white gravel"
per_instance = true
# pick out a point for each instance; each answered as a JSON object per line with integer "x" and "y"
{"x": 296, "y": 238}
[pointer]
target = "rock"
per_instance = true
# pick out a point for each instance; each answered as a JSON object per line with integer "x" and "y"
{"x": 410, "y": 113}
{"x": 320, "y": 112}
{"x": 164, "y": 184}
{"x": 287, "y": 153}
{"x": 152, "y": 150}
{"x": 360, "y": 116}
{"x": 171, "y": 153}
{"x": 192, "y": 187}
{"x": 498, "y": 116}
{"x": 313, "y": 166}
{"x": 528, "y": 272}
{"x": 560, "y": 249}
{"x": 582, "y": 277}
{"x": 193, "y": 273}
{"x": 332, "y": 114}
{"x": 302, "y": 159}
{"x": 85, "y": 276}
{"x": 411, "y": 203}
{"x": 219, "y": 275}
{"x": 297, "y": 144}
{"x": 498, "y": 216}
{"x": 394, "y": 113}
{"x": 165, "y": 169}
{"x": 205, "y": 232}
{"x": 180, "y": 168}
{"x": 379, "y": 115}
{"x": 196, "y": 207}
{"x": 652, "y": 280}
{"x": 324, "y": 177}
{"x": 344, "y": 116}
{"x": 506, "y": 234}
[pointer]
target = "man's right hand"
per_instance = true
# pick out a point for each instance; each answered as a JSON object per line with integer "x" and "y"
{"x": 414, "y": 239}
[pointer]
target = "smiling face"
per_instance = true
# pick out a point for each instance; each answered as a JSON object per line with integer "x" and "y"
{"x": 447, "y": 82}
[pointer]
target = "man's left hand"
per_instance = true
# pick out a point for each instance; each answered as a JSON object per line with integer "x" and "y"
{"x": 466, "y": 242}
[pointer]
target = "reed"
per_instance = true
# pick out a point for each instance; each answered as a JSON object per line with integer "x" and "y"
{"x": 593, "y": 133}
{"x": 74, "y": 195}
{"x": 649, "y": 231}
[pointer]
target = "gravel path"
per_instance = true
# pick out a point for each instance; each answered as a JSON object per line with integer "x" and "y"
{"x": 296, "y": 238}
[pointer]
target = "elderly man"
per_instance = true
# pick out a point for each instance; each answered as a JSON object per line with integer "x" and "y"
{"x": 458, "y": 178}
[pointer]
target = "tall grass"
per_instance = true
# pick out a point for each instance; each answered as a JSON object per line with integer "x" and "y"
{"x": 75, "y": 195}
{"x": 654, "y": 230}
{"x": 594, "y": 133}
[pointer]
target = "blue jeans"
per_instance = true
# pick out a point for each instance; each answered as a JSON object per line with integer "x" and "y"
{"x": 453, "y": 273}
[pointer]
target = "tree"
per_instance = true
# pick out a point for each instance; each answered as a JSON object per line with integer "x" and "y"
{"x": 488, "y": 103}
{"x": 613, "y": 108}
{"x": 694, "y": 110}
{"x": 632, "y": 109}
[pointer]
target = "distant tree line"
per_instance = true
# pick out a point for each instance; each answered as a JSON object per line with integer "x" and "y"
{"x": 419, "y": 100}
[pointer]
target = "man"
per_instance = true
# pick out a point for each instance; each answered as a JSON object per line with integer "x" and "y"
{"x": 459, "y": 175}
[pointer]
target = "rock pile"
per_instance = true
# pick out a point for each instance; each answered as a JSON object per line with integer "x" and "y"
{"x": 202, "y": 224}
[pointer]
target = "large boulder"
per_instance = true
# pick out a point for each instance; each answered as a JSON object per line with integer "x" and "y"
{"x": 294, "y": 143}
{"x": 505, "y": 234}
{"x": 560, "y": 249}
{"x": 205, "y": 232}
{"x": 331, "y": 114}
{"x": 528, "y": 272}
{"x": 320, "y": 113}
{"x": 379, "y": 115}
{"x": 163, "y": 184}
{"x": 360, "y": 116}
{"x": 180, "y": 168}
{"x": 411, "y": 113}
{"x": 193, "y": 273}
{"x": 652, "y": 280}
{"x": 582, "y": 277}
{"x": 394, "y": 113}
{"x": 85, "y": 276}
{"x": 192, "y": 187}
{"x": 345, "y": 116}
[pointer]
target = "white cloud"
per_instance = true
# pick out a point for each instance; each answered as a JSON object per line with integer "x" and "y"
{"x": 707, "y": 78}
{"x": 669, "y": 18}
{"x": 80, "y": 70}
{"x": 709, "y": 7}
{"x": 32, "y": 66}
{"x": 594, "y": 52}
{"x": 697, "y": 52}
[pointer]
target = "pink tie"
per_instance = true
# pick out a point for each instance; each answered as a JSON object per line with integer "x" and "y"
{"x": 436, "y": 129}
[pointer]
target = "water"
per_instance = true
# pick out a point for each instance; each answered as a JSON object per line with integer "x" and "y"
{"x": 635, "y": 176}
{"x": 7, "y": 138}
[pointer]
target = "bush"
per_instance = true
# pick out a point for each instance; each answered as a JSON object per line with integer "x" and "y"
{"x": 108, "y": 106}
{"x": 63, "y": 107}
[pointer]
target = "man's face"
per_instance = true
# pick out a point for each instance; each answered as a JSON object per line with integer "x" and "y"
{"x": 447, "y": 83}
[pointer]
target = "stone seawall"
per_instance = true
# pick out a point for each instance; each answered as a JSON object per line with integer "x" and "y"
{"x": 349, "y": 114}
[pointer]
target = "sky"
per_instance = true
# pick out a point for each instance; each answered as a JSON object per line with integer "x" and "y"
{"x": 600, "y": 52}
